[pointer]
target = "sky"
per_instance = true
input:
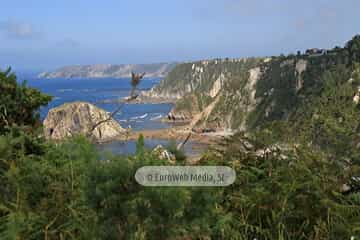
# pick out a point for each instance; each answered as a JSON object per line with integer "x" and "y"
{"x": 47, "y": 34}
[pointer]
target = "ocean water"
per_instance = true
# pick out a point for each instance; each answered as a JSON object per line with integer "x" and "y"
{"x": 137, "y": 116}
{"x": 129, "y": 147}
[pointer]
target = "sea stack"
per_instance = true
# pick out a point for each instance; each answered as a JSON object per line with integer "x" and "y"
{"x": 79, "y": 118}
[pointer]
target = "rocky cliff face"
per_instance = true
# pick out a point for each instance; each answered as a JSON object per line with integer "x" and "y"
{"x": 78, "y": 118}
{"x": 241, "y": 94}
{"x": 107, "y": 70}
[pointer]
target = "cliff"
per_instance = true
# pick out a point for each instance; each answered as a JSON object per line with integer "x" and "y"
{"x": 78, "y": 118}
{"x": 242, "y": 94}
{"x": 108, "y": 70}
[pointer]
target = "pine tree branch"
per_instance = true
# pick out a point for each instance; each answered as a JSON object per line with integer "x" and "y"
{"x": 135, "y": 80}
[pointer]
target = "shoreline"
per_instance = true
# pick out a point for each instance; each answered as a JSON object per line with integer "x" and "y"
{"x": 201, "y": 142}
{"x": 141, "y": 99}
{"x": 173, "y": 133}
{"x": 179, "y": 134}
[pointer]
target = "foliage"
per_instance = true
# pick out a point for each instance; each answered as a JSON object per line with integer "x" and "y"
{"x": 331, "y": 119}
{"x": 353, "y": 47}
{"x": 140, "y": 145}
{"x": 297, "y": 177}
{"x": 67, "y": 191}
{"x": 178, "y": 153}
{"x": 287, "y": 193}
{"x": 283, "y": 85}
{"x": 19, "y": 104}
{"x": 43, "y": 194}
{"x": 127, "y": 210}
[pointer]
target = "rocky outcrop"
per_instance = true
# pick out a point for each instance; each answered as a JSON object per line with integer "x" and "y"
{"x": 217, "y": 86}
{"x": 179, "y": 116}
{"x": 164, "y": 154}
{"x": 152, "y": 96}
{"x": 185, "y": 111}
{"x": 254, "y": 76}
{"x": 300, "y": 68}
{"x": 108, "y": 70}
{"x": 206, "y": 88}
{"x": 79, "y": 118}
{"x": 356, "y": 98}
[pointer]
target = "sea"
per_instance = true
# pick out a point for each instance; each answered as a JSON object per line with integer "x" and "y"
{"x": 105, "y": 93}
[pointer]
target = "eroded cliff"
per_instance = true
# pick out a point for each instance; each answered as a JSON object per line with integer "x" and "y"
{"x": 241, "y": 94}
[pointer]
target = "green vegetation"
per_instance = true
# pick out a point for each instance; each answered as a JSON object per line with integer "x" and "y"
{"x": 67, "y": 191}
{"x": 18, "y": 103}
{"x": 297, "y": 177}
{"x": 179, "y": 154}
{"x": 283, "y": 84}
{"x": 287, "y": 194}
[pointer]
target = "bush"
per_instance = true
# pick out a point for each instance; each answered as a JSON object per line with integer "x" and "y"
{"x": 19, "y": 104}
{"x": 178, "y": 153}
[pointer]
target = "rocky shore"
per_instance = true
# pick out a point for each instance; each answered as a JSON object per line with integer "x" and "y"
{"x": 174, "y": 133}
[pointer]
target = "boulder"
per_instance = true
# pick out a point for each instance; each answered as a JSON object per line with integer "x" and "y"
{"x": 179, "y": 116}
{"x": 164, "y": 154}
{"x": 79, "y": 118}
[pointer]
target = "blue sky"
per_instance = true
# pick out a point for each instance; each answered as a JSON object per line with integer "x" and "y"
{"x": 45, "y": 34}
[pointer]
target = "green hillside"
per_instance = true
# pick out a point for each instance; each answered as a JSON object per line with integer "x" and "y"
{"x": 251, "y": 91}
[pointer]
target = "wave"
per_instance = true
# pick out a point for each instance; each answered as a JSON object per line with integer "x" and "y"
{"x": 88, "y": 90}
{"x": 140, "y": 117}
{"x": 65, "y": 90}
{"x": 156, "y": 118}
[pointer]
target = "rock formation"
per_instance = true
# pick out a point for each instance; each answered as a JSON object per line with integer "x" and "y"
{"x": 79, "y": 118}
{"x": 164, "y": 154}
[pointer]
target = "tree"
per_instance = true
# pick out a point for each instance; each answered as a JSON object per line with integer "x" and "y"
{"x": 298, "y": 178}
{"x": 19, "y": 104}
{"x": 285, "y": 192}
{"x": 353, "y": 47}
{"x": 140, "y": 145}
{"x": 331, "y": 120}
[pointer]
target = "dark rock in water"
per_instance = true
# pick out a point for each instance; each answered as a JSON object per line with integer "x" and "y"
{"x": 79, "y": 118}
{"x": 178, "y": 116}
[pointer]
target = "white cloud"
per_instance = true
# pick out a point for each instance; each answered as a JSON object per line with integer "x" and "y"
{"x": 19, "y": 30}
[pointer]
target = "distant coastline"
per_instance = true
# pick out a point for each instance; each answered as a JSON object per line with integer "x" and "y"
{"x": 109, "y": 70}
